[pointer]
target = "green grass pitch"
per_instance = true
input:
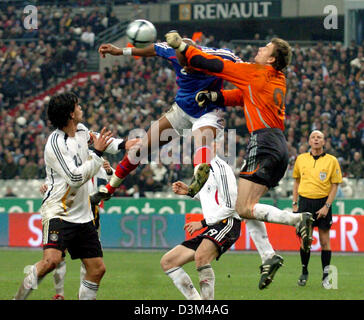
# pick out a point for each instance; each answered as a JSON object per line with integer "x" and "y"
{"x": 136, "y": 275}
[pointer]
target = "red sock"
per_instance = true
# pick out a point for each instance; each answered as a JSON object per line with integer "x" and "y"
{"x": 202, "y": 155}
{"x": 122, "y": 170}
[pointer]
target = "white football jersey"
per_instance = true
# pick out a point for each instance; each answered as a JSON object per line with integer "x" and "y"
{"x": 100, "y": 178}
{"x": 70, "y": 165}
{"x": 218, "y": 195}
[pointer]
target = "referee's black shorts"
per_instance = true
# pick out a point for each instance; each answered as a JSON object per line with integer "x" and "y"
{"x": 267, "y": 157}
{"x": 312, "y": 206}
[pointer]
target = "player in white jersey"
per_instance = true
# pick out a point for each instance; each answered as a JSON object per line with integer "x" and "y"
{"x": 67, "y": 218}
{"x": 59, "y": 274}
{"x": 218, "y": 198}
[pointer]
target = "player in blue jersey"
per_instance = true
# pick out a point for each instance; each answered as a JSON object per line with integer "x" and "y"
{"x": 185, "y": 113}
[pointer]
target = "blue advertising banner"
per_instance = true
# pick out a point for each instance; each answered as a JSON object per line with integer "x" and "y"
{"x": 141, "y": 231}
{"x": 4, "y": 234}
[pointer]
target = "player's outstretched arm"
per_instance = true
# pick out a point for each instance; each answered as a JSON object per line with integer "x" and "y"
{"x": 230, "y": 98}
{"x": 239, "y": 74}
{"x": 109, "y": 48}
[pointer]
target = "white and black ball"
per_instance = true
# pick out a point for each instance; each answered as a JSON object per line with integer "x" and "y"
{"x": 141, "y": 33}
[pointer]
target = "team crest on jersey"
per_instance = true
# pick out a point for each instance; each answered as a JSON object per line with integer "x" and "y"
{"x": 323, "y": 175}
{"x": 53, "y": 237}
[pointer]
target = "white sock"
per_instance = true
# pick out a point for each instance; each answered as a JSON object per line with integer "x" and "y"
{"x": 58, "y": 277}
{"x": 29, "y": 283}
{"x": 265, "y": 212}
{"x": 258, "y": 232}
{"x": 206, "y": 276}
{"x": 88, "y": 290}
{"x": 115, "y": 181}
{"x": 82, "y": 272}
{"x": 183, "y": 283}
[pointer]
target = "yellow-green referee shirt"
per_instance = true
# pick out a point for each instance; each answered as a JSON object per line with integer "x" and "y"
{"x": 316, "y": 176}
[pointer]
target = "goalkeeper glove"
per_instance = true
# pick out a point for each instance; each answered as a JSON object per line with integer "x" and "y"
{"x": 203, "y": 98}
{"x": 175, "y": 41}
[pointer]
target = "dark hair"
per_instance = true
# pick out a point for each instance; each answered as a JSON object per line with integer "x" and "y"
{"x": 60, "y": 108}
{"x": 282, "y": 53}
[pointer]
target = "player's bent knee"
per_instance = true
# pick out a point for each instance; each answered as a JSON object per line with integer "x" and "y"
{"x": 201, "y": 260}
{"x": 96, "y": 271}
{"x": 99, "y": 272}
{"x": 166, "y": 263}
{"x": 50, "y": 264}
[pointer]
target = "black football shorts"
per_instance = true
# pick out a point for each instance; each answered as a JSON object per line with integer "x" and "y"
{"x": 80, "y": 239}
{"x": 267, "y": 157}
{"x": 312, "y": 206}
{"x": 223, "y": 235}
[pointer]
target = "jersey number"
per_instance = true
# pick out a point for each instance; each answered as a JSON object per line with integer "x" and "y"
{"x": 279, "y": 102}
{"x": 212, "y": 232}
{"x": 77, "y": 160}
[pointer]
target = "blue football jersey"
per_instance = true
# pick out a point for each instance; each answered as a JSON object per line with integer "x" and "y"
{"x": 189, "y": 84}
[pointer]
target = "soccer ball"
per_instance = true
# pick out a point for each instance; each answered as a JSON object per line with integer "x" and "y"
{"x": 141, "y": 33}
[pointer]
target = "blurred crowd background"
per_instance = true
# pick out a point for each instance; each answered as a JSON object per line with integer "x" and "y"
{"x": 325, "y": 91}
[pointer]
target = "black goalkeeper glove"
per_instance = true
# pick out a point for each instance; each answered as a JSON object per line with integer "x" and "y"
{"x": 204, "y": 98}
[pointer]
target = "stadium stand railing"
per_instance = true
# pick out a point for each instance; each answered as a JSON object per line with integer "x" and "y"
{"x": 112, "y": 33}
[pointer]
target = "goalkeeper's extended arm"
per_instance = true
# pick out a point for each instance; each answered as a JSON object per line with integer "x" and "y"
{"x": 204, "y": 98}
{"x": 175, "y": 41}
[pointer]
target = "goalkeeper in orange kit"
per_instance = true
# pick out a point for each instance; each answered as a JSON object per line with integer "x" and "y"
{"x": 261, "y": 90}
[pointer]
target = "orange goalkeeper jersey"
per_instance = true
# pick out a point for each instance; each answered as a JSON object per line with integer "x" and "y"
{"x": 261, "y": 88}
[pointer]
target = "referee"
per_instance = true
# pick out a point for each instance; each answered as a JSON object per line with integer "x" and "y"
{"x": 317, "y": 176}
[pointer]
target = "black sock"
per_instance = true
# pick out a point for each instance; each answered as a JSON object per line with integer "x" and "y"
{"x": 305, "y": 258}
{"x": 325, "y": 261}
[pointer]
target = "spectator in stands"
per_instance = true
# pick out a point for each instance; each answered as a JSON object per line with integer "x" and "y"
{"x": 150, "y": 185}
{"x": 10, "y": 168}
{"x": 136, "y": 192}
{"x": 345, "y": 190}
{"x": 88, "y": 37}
{"x": 21, "y": 166}
{"x": 9, "y": 192}
{"x": 159, "y": 172}
{"x": 30, "y": 170}
{"x": 10, "y": 90}
{"x": 356, "y": 167}
{"x": 82, "y": 59}
{"x": 112, "y": 19}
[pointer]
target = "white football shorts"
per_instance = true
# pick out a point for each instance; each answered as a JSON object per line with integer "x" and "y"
{"x": 181, "y": 120}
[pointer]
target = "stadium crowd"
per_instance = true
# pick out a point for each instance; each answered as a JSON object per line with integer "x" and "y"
{"x": 325, "y": 92}
{"x": 42, "y": 56}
